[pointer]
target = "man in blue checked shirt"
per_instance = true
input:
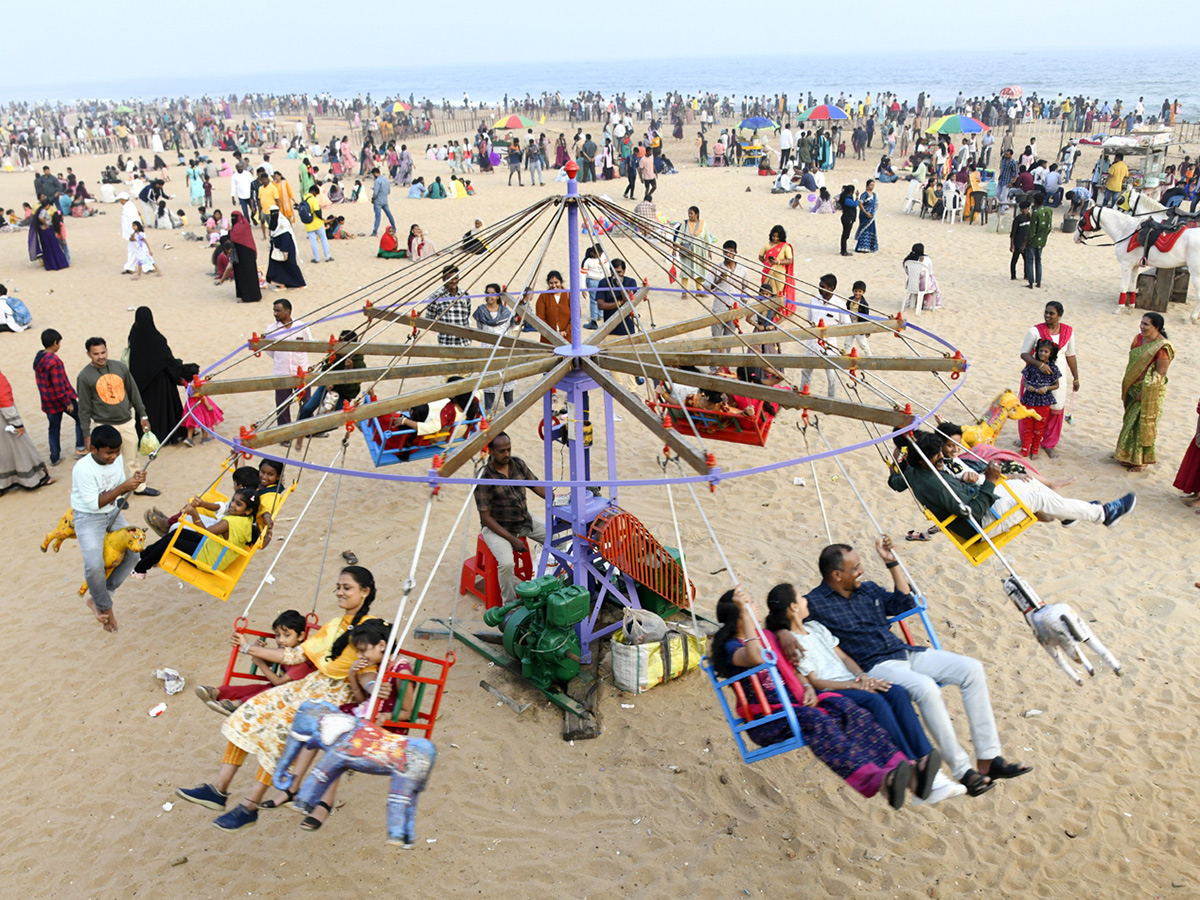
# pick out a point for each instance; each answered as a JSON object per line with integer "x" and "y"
{"x": 857, "y": 611}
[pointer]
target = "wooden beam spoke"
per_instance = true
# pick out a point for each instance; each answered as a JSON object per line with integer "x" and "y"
{"x": 471, "y": 334}
{"x": 619, "y": 315}
{"x": 528, "y": 315}
{"x": 893, "y": 418}
{"x": 727, "y": 315}
{"x": 349, "y": 376}
{"x": 465, "y": 451}
{"x": 371, "y": 348}
{"x": 640, "y": 411}
{"x": 758, "y": 338}
{"x": 806, "y": 361}
{"x": 334, "y": 420}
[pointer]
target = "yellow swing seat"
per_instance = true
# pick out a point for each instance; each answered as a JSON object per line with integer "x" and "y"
{"x": 219, "y": 583}
{"x": 975, "y": 548}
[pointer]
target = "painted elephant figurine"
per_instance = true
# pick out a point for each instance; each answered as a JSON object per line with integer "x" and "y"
{"x": 360, "y": 747}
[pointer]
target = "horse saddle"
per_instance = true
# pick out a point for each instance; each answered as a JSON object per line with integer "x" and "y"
{"x": 1159, "y": 235}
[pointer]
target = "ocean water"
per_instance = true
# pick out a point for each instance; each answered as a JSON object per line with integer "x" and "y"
{"x": 975, "y": 74}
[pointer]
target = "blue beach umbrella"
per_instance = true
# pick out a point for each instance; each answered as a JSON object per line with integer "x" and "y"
{"x": 757, "y": 123}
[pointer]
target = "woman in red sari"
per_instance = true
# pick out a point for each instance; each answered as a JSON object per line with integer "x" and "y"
{"x": 777, "y": 259}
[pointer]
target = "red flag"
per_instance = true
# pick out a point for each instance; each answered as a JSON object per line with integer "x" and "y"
{"x": 672, "y": 276}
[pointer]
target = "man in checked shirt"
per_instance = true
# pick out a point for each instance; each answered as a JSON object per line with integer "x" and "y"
{"x": 448, "y": 306}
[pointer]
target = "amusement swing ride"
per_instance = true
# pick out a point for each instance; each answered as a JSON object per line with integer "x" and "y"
{"x": 595, "y": 552}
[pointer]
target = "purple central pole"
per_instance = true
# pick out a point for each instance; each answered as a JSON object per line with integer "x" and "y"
{"x": 568, "y": 524}
{"x": 573, "y": 255}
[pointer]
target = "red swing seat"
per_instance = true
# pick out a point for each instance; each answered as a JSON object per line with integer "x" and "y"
{"x": 406, "y": 674}
{"x": 252, "y": 674}
{"x": 736, "y": 428}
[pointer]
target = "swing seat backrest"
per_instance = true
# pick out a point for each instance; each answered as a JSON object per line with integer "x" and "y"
{"x": 735, "y": 428}
{"x": 975, "y": 548}
{"x": 410, "y": 673}
{"x": 219, "y": 583}
{"x": 740, "y": 717}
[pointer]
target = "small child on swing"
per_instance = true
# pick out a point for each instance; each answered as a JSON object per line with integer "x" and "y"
{"x": 289, "y": 627}
{"x": 244, "y": 478}
{"x": 237, "y": 526}
{"x": 370, "y": 640}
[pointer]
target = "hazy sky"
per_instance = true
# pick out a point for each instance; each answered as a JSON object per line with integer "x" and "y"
{"x": 171, "y": 38}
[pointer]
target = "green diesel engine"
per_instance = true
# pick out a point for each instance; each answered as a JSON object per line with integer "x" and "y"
{"x": 539, "y": 628}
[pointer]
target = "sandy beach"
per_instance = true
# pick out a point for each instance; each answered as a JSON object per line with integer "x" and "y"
{"x": 660, "y": 804}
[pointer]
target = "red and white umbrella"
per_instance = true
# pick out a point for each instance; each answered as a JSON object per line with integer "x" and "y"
{"x": 1012, "y": 92}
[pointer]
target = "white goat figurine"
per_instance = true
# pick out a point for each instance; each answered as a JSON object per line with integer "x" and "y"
{"x": 1059, "y": 629}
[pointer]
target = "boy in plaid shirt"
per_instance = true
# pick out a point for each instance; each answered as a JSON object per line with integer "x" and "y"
{"x": 58, "y": 396}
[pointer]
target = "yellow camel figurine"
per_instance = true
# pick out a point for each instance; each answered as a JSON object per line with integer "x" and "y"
{"x": 116, "y": 543}
{"x": 1006, "y": 406}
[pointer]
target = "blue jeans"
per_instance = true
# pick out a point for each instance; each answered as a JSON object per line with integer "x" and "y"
{"x": 894, "y": 711}
{"x": 382, "y": 207}
{"x": 55, "y": 420}
{"x": 245, "y": 204}
{"x": 90, "y": 529}
{"x": 1033, "y": 264}
{"x": 592, "y": 284}
{"x": 1111, "y": 197}
{"x": 312, "y": 242}
{"x": 313, "y": 403}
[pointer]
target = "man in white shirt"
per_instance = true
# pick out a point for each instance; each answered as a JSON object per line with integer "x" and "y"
{"x": 97, "y": 481}
{"x": 785, "y": 145}
{"x": 286, "y": 362}
{"x": 240, "y": 186}
{"x": 129, "y": 214}
{"x": 833, "y": 310}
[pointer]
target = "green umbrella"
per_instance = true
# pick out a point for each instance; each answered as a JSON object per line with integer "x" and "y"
{"x": 123, "y": 109}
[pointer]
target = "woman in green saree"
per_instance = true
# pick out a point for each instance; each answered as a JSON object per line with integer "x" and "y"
{"x": 1143, "y": 390}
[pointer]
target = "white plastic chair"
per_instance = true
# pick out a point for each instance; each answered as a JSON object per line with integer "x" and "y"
{"x": 914, "y": 269}
{"x": 953, "y": 202}
{"x": 912, "y": 202}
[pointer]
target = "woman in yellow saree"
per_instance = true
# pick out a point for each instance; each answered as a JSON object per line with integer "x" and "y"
{"x": 1143, "y": 390}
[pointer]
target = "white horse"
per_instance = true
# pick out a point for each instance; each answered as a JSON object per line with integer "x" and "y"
{"x": 1120, "y": 228}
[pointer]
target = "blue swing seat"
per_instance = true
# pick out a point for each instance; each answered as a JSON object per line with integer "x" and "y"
{"x": 388, "y": 447}
{"x": 743, "y": 719}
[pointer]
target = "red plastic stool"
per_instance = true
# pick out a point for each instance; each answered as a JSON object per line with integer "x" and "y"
{"x": 483, "y": 565}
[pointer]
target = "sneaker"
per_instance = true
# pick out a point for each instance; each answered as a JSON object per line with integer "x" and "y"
{"x": 1115, "y": 509}
{"x": 237, "y": 818}
{"x": 206, "y": 795}
{"x": 591, "y": 326}
{"x": 944, "y": 788}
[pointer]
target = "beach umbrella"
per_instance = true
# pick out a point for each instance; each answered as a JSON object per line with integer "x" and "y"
{"x": 956, "y": 124}
{"x": 123, "y": 109}
{"x": 400, "y": 106}
{"x": 1012, "y": 92}
{"x": 824, "y": 112}
{"x": 514, "y": 121}
{"x": 757, "y": 123}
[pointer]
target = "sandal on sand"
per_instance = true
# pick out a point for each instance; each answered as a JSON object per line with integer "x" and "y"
{"x": 899, "y": 784}
{"x": 206, "y": 693}
{"x": 1002, "y": 768}
{"x": 312, "y": 823}
{"x": 933, "y": 765}
{"x": 975, "y": 783}
{"x": 271, "y": 804}
{"x": 917, "y": 536}
{"x": 349, "y": 557}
